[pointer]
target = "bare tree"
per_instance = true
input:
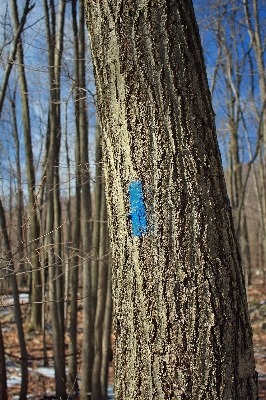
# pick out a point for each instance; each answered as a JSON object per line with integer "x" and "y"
{"x": 34, "y": 231}
{"x": 54, "y": 32}
{"x": 101, "y": 325}
{"x": 19, "y": 196}
{"x": 27, "y": 8}
{"x": 72, "y": 378}
{"x": 86, "y": 228}
{"x": 236, "y": 97}
{"x": 256, "y": 44}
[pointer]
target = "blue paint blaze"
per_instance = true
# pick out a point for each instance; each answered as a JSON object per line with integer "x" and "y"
{"x": 228, "y": 199}
{"x": 137, "y": 209}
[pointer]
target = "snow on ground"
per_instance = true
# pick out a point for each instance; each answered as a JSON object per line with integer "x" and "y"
{"x": 46, "y": 371}
{"x": 9, "y": 300}
{"x": 110, "y": 393}
{"x": 14, "y": 378}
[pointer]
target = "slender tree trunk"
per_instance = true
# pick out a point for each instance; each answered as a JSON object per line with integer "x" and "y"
{"x": 73, "y": 263}
{"x": 68, "y": 212}
{"x": 23, "y": 350}
{"x": 42, "y": 216}
{"x": 107, "y": 308}
{"x": 19, "y": 200}
{"x": 72, "y": 363}
{"x": 56, "y": 136}
{"x": 101, "y": 306}
{"x": 59, "y": 262}
{"x": 239, "y": 214}
{"x": 106, "y": 340}
{"x": 88, "y": 323}
{"x": 181, "y": 320}
{"x": 53, "y": 217}
{"x": 73, "y": 370}
{"x": 96, "y": 222}
{"x": 34, "y": 231}
{"x": 3, "y": 380}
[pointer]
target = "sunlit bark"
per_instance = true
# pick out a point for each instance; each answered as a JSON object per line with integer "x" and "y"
{"x": 181, "y": 319}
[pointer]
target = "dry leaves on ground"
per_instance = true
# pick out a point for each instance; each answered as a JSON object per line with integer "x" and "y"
{"x": 42, "y": 387}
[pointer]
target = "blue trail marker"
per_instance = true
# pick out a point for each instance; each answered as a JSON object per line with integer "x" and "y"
{"x": 137, "y": 212}
{"x": 228, "y": 199}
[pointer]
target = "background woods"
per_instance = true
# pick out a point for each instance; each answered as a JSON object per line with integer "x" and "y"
{"x": 53, "y": 216}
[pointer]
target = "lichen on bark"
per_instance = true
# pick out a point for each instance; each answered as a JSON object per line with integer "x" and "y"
{"x": 180, "y": 312}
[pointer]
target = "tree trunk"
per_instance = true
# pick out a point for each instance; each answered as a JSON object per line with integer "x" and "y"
{"x": 19, "y": 199}
{"x": 59, "y": 262}
{"x": 107, "y": 329}
{"x": 101, "y": 306}
{"x": 88, "y": 323}
{"x": 96, "y": 222}
{"x": 53, "y": 216}
{"x": 3, "y": 381}
{"x": 34, "y": 231}
{"x": 73, "y": 369}
{"x": 182, "y": 329}
{"x": 23, "y": 350}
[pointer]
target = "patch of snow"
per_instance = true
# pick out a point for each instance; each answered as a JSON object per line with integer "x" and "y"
{"x": 46, "y": 371}
{"x": 6, "y": 328}
{"x": 261, "y": 375}
{"x": 13, "y": 379}
{"x": 110, "y": 393}
{"x": 5, "y": 311}
{"x": 24, "y": 296}
{"x": 259, "y": 356}
{"x": 9, "y": 300}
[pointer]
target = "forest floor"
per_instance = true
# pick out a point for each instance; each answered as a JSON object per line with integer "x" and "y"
{"x": 256, "y": 297}
{"x": 41, "y": 377}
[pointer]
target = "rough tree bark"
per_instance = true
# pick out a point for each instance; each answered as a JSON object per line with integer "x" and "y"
{"x": 181, "y": 321}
